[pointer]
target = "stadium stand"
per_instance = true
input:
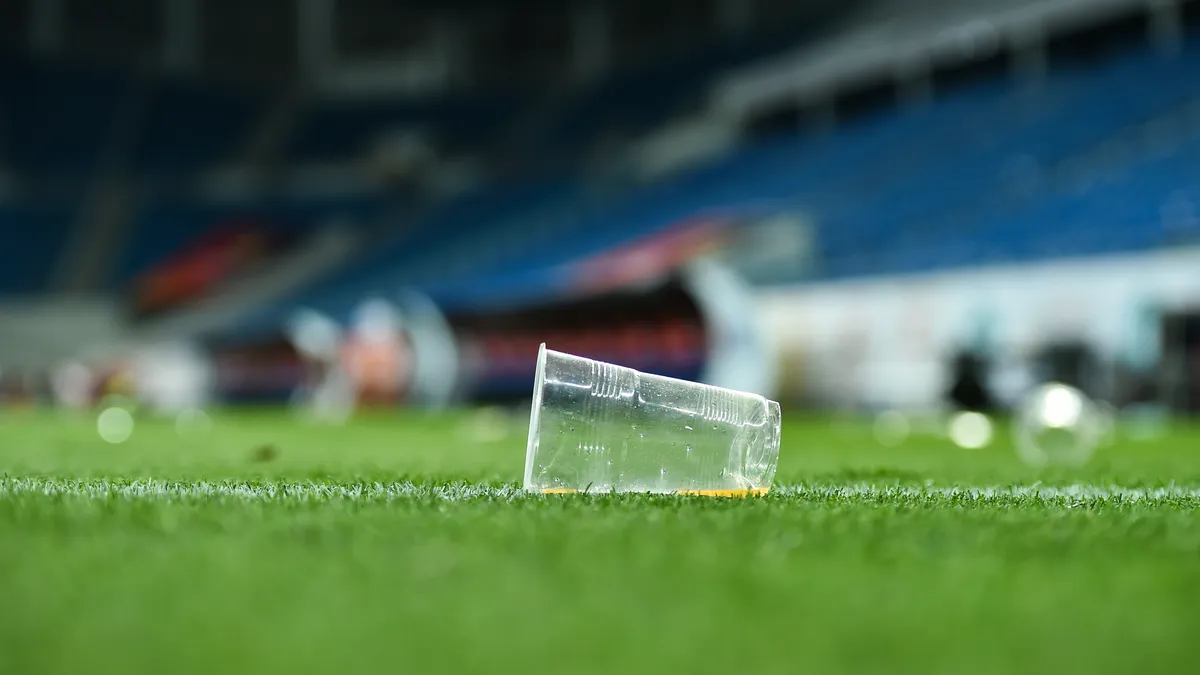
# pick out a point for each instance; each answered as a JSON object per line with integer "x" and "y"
{"x": 991, "y": 171}
{"x": 162, "y": 227}
{"x": 64, "y": 118}
{"x": 344, "y": 131}
{"x": 190, "y": 127}
{"x": 886, "y": 190}
{"x": 57, "y": 116}
{"x": 57, "y": 130}
{"x": 1026, "y": 184}
{"x": 470, "y": 231}
{"x": 634, "y": 101}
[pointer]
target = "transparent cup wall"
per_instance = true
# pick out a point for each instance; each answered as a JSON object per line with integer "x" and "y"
{"x": 597, "y": 427}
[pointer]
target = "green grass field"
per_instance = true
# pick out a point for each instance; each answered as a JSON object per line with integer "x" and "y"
{"x": 401, "y": 544}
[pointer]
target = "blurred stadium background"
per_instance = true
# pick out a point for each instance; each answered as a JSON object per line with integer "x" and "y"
{"x": 850, "y": 204}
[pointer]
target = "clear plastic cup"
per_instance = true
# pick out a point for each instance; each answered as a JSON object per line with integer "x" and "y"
{"x": 597, "y": 427}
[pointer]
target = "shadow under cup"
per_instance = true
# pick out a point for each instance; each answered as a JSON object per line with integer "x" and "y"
{"x": 597, "y": 427}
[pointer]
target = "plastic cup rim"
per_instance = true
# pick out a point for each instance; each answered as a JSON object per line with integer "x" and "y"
{"x": 539, "y": 380}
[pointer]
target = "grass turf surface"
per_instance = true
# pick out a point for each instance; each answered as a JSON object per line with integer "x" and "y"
{"x": 400, "y": 543}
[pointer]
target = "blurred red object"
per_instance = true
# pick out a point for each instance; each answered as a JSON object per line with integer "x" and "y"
{"x": 201, "y": 266}
{"x": 652, "y": 257}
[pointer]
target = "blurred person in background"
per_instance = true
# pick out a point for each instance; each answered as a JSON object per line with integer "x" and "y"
{"x": 969, "y": 388}
{"x": 377, "y": 355}
{"x": 325, "y": 392}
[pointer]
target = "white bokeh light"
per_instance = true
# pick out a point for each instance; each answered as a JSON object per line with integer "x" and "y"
{"x": 115, "y": 425}
{"x": 970, "y": 430}
{"x": 1060, "y": 406}
{"x": 72, "y": 385}
{"x": 172, "y": 377}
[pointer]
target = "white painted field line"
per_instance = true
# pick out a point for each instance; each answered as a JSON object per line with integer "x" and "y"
{"x": 1075, "y": 491}
{"x": 307, "y": 491}
{"x": 258, "y": 491}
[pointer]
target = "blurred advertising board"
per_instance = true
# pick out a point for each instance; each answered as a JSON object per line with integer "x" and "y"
{"x": 886, "y": 342}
